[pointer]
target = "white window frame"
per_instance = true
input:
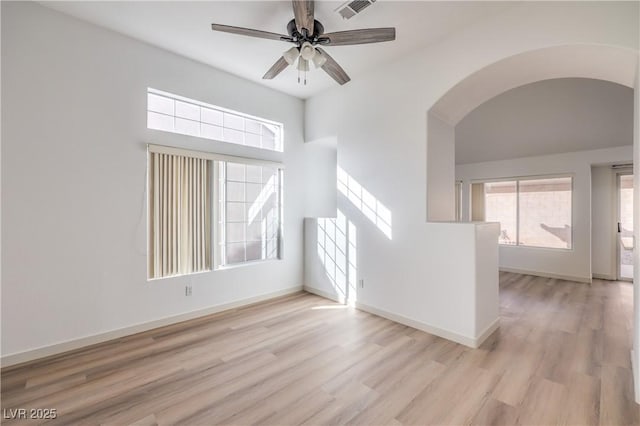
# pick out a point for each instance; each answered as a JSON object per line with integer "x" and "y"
{"x": 218, "y": 251}
{"x": 458, "y": 201}
{"x": 217, "y": 227}
{"x": 278, "y": 140}
{"x": 517, "y": 179}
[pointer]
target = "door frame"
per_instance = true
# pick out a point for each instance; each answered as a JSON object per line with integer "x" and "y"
{"x": 618, "y": 173}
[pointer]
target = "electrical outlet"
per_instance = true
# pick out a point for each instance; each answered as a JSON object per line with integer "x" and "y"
{"x": 188, "y": 290}
{"x": 361, "y": 282}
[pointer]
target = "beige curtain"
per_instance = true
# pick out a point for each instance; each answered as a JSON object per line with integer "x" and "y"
{"x": 180, "y": 216}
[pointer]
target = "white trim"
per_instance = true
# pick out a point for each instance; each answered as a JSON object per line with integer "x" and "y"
{"x": 546, "y": 275}
{"x": 245, "y": 263}
{"x": 607, "y": 277}
{"x": 572, "y": 175}
{"x": 217, "y": 227}
{"x": 472, "y": 342}
{"x": 163, "y": 149}
{"x": 488, "y": 331}
{"x": 636, "y": 380}
{"x": 518, "y": 214}
{"x": 617, "y": 235}
{"x": 58, "y": 348}
{"x": 334, "y": 297}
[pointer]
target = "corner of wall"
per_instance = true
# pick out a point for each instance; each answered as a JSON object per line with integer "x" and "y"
{"x": 635, "y": 353}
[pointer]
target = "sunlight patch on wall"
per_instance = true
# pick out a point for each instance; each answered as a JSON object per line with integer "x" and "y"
{"x": 364, "y": 201}
{"x": 337, "y": 253}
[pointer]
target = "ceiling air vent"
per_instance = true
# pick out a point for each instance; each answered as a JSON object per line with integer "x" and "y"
{"x": 352, "y": 8}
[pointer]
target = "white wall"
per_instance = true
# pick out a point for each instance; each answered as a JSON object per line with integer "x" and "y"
{"x": 320, "y": 178}
{"x": 74, "y": 172}
{"x": 440, "y": 175}
{"x": 547, "y": 117}
{"x": 570, "y": 264}
{"x": 469, "y": 277}
{"x": 603, "y": 223}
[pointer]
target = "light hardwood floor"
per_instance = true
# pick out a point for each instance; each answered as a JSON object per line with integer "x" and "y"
{"x": 561, "y": 356}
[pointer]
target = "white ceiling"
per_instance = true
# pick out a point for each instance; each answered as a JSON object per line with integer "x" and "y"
{"x": 184, "y": 28}
{"x": 547, "y": 117}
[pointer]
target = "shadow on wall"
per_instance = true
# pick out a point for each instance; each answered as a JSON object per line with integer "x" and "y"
{"x": 337, "y": 251}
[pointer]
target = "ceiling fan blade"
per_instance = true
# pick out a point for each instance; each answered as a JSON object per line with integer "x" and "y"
{"x": 334, "y": 70}
{"x": 276, "y": 69}
{"x": 364, "y": 36}
{"x": 249, "y": 32}
{"x": 303, "y": 11}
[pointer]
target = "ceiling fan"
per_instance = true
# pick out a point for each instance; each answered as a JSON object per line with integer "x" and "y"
{"x": 307, "y": 34}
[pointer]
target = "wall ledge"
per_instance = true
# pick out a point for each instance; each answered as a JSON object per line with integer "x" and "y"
{"x": 83, "y": 342}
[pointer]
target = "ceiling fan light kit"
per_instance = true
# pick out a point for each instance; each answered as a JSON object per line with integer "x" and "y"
{"x": 319, "y": 59}
{"x": 307, "y": 35}
{"x": 307, "y": 50}
{"x": 291, "y": 55}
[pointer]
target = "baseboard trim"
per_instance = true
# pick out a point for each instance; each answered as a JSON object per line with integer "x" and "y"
{"x": 491, "y": 328}
{"x": 326, "y": 295}
{"x": 440, "y": 332}
{"x": 58, "y": 348}
{"x": 547, "y": 275}
{"x": 636, "y": 379}
{"x": 604, "y": 277}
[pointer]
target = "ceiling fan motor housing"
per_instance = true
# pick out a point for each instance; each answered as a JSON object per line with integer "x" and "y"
{"x": 292, "y": 30}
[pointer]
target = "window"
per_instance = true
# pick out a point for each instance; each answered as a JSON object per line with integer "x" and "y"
{"x": 177, "y": 114}
{"x": 501, "y": 205}
{"x": 531, "y": 212}
{"x": 248, "y": 214}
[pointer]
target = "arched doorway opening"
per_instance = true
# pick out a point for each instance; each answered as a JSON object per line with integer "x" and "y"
{"x": 600, "y": 62}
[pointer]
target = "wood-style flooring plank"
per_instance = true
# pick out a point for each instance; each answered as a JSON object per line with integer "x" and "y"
{"x": 560, "y": 357}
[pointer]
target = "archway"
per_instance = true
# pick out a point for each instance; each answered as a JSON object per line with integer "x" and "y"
{"x": 602, "y": 62}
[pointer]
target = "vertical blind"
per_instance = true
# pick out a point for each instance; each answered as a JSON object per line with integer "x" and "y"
{"x": 180, "y": 216}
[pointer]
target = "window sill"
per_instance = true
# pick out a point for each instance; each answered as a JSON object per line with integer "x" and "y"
{"x": 537, "y": 248}
{"x": 168, "y": 277}
{"x": 243, "y": 264}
